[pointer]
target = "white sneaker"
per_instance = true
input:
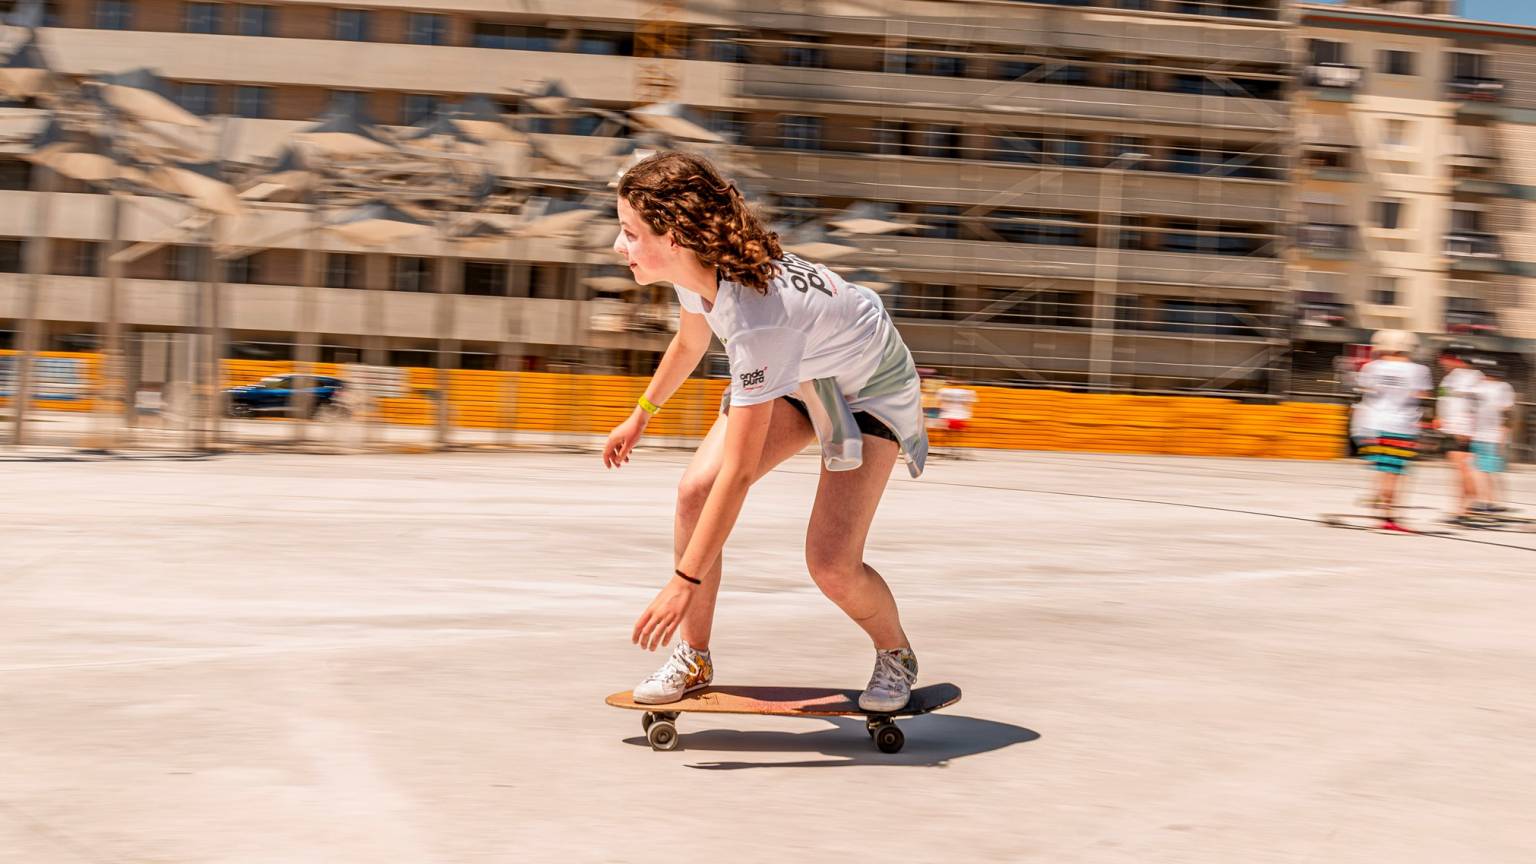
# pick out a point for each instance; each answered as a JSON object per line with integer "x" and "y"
{"x": 891, "y": 686}
{"x": 685, "y": 671}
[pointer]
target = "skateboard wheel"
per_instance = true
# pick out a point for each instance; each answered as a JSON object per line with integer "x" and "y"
{"x": 646, "y": 720}
{"x": 889, "y": 739}
{"x": 662, "y": 734}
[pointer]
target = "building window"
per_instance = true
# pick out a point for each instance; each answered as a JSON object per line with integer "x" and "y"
{"x": 1015, "y": 70}
{"x": 941, "y": 220}
{"x": 257, "y": 20}
{"x": 948, "y": 64}
{"x": 412, "y": 274}
{"x": 425, "y": 28}
{"x": 1395, "y": 133}
{"x": 12, "y": 253}
{"x": 1215, "y": 319}
{"x": 584, "y": 125}
{"x": 513, "y": 37}
{"x": 1323, "y": 52}
{"x": 1385, "y": 292}
{"x": 723, "y": 48}
{"x": 185, "y": 263}
{"x": 1466, "y": 220}
{"x": 806, "y": 55}
{"x": 607, "y": 44}
{"x": 343, "y": 271}
{"x": 353, "y": 25}
{"x": 200, "y": 99}
{"x": 1185, "y": 160}
{"x": 890, "y": 137}
{"x": 242, "y": 270}
{"x": 1124, "y": 147}
{"x": 15, "y": 174}
{"x": 1130, "y": 78}
{"x": 113, "y": 15}
{"x": 1465, "y": 64}
{"x": 1039, "y": 228}
{"x": 416, "y": 107}
{"x": 252, "y": 101}
{"x": 485, "y": 278}
{"x": 730, "y": 125}
{"x": 1397, "y": 62}
{"x": 203, "y": 17}
{"x": 353, "y": 102}
{"x": 1196, "y": 85}
{"x": 798, "y": 209}
{"x": 800, "y": 132}
{"x": 940, "y": 141}
{"x": 1015, "y": 146}
{"x": 1126, "y": 237}
{"x": 1389, "y": 213}
{"x": 923, "y": 301}
{"x": 87, "y": 259}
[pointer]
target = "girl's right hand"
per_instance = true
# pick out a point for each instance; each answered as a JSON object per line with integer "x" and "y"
{"x": 623, "y": 439}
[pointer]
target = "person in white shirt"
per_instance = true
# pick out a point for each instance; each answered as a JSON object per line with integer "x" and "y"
{"x": 1391, "y": 387}
{"x": 1494, "y": 399}
{"x": 1453, "y": 417}
{"x": 812, "y": 357}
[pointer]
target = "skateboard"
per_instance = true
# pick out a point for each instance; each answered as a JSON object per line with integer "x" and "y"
{"x": 1498, "y": 522}
{"x": 1364, "y": 522}
{"x": 660, "y": 721}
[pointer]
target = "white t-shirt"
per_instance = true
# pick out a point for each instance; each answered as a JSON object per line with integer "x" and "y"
{"x": 811, "y": 324}
{"x": 1392, "y": 389}
{"x": 1492, "y": 400}
{"x": 1454, "y": 407}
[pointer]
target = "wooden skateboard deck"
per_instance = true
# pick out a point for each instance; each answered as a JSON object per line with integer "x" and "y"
{"x": 660, "y": 727}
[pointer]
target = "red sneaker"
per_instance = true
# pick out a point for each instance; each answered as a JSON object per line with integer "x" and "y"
{"x": 1391, "y": 525}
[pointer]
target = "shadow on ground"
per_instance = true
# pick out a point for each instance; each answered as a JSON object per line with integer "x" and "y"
{"x": 932, "y": 741}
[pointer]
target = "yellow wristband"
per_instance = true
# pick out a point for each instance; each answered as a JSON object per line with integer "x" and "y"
{"x": 648, "y": 407}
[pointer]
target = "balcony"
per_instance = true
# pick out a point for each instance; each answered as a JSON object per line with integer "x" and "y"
{"x": 1339, "y": 79}
{"x": 931, "y": 181}
{"x": 1475, "y": 89}
{"x": 1330, "y": 162}
{"x": 865, "y": 92}
{"x": 1326, "y": 240}
{"x": 1471, "y": 323}
{"x": 1322, "y": 311}
{"x": 948, "y": 257}
{"x": 1471, "y": 250}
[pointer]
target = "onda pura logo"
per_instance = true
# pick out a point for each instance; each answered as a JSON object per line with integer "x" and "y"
{"x": 753, "y": 379}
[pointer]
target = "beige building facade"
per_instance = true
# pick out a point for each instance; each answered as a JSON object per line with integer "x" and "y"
{"x": 1417, "y": 130}
{"x": 1100, "y": 190}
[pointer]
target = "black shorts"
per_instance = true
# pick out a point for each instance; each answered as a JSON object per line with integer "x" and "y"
{"x": 1455, "y": 444}
{"x": 869, "y": 424}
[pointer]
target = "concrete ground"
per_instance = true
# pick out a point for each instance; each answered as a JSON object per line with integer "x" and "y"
{"x": 282, "y": 659}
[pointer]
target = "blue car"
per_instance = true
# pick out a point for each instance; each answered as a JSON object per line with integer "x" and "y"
{"x": 274, "y": 395}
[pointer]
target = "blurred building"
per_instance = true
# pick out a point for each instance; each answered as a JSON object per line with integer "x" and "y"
{"x": 1102, "y": 189}
{"x": 1418, "y": 168}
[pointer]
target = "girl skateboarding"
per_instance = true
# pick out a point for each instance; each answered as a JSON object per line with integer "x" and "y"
{"x": 812, "y": 357}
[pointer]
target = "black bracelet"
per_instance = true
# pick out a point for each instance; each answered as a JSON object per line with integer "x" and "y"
{"x": 687, "y": 578}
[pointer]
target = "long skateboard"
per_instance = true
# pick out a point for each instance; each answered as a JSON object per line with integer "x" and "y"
{"x": 660, "y": 721}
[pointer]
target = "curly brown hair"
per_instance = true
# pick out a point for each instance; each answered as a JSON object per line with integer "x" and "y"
{"x": 682, "y": 193}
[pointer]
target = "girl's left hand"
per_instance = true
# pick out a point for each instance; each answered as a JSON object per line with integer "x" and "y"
{"x": 661, "y": 619}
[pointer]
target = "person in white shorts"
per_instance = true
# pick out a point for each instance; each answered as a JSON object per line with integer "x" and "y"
{"x": 812, "y": 357}
{"x": 1392, "y": 386}
{"x": 1453, "y": 417}
{"x": 1490, "y": 430}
